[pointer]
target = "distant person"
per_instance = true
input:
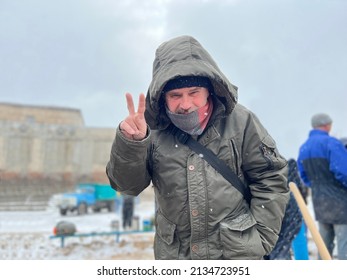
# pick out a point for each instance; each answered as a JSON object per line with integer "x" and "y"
{"x": 128, "y": 211}
{"x": 293, "y": 227}
{"x": 322, "y": 164}
{"x": 300, "y": 241}
{"x": 199, "y": 214}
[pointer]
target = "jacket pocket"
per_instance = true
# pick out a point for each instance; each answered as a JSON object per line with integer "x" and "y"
{"x": 166, "y": 246}
{"x": 271, "y": 154}
{"x": 240, "y": 238}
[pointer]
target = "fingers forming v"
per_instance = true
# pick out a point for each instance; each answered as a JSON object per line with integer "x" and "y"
{"x": 141, "y": 106}
{"x": 130, "y": 104}
{"x": 134, "y": 126}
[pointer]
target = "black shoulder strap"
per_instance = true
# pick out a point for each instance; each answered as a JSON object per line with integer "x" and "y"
{"x": 214, "y": 161}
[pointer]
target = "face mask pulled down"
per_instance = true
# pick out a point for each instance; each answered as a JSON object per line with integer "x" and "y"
{"x": 194, "y": 122}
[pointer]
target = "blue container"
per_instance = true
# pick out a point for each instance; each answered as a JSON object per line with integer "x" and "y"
{"x": 146, "y": 225}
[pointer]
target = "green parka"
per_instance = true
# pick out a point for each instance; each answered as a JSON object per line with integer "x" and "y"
{"x": 199, "y": 215}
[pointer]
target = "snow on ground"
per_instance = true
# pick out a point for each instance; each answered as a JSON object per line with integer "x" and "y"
{"x": 26, "y": 235}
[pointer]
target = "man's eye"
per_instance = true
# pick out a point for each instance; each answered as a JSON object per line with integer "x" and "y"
{"x": 175, "y": 96}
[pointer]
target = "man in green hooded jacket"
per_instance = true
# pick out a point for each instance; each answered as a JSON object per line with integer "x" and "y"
{"x": 199, "y": 214}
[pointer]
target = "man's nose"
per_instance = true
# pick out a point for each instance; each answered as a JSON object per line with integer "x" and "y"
{"x": 186, "y": 103}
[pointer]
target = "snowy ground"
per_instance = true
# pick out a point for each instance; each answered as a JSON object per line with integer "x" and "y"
{"x": 26, "y": 235}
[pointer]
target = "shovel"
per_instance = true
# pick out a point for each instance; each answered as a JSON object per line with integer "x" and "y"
{"x": 322, "y": 249}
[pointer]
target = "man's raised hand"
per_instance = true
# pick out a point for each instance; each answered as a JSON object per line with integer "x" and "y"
{"x": 134, "y": 126}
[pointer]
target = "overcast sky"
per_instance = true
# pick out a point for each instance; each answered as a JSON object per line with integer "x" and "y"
{"x": 288, "y": 58}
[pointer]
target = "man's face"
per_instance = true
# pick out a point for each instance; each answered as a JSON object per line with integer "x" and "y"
{"x": 186, "y": 100}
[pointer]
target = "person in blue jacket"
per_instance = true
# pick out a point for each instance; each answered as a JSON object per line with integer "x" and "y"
{"x": 322, "y": 164}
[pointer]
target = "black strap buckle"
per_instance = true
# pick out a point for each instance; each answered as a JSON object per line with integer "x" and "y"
{"x": 181, "y": 135}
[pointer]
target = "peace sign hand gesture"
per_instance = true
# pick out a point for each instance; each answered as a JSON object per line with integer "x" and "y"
{"x": 134, "y": 126}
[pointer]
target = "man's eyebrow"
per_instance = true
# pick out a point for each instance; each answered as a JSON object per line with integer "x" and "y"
{"x": 191, "y": 89}
{"x": 171, "y": 92}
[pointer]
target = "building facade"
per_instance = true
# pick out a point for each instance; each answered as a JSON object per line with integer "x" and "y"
{"x": 47, "y": 150}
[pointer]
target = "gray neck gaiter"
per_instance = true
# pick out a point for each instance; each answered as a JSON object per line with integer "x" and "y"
{"x": 187, "y": 122}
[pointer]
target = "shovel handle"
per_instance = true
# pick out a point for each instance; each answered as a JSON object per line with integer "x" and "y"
{"x": 322, "y": 249}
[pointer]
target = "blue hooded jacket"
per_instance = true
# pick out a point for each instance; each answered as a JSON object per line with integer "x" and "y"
{"x": 322, "y": 165}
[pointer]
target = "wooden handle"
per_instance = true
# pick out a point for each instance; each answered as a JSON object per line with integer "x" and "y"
{"x": 322, "y": 249}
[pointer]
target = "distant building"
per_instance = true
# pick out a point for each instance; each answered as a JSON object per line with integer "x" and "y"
{"x": 16, "y": 113}
{"x": 45, "y": 150}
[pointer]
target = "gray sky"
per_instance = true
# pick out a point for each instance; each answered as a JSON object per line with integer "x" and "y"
{"x": 288, "y": 58}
